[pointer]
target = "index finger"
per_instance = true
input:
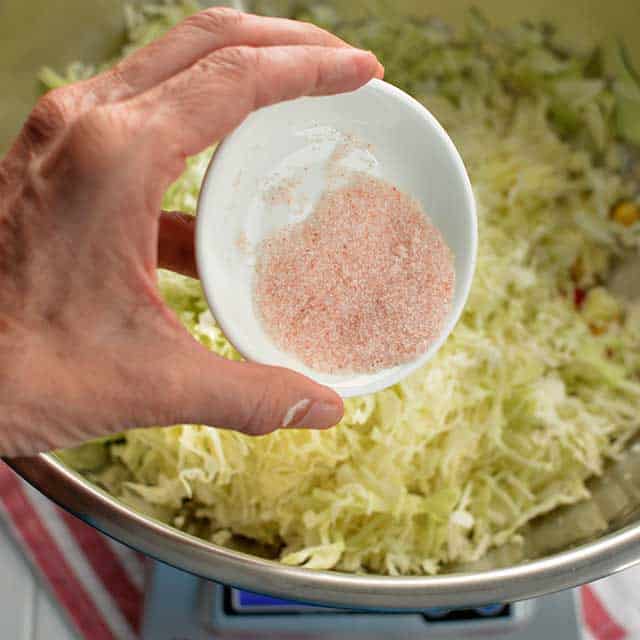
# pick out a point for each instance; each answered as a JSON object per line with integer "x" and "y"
{"x": 196, "y": 37}
{"x": 204, "y": 103}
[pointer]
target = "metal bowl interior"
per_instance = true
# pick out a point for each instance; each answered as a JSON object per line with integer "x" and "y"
{"x": 613, "y": 550}
{"x": 565, "y": 563}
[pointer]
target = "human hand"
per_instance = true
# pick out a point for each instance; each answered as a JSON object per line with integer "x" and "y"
{"x": 87, "y": 347}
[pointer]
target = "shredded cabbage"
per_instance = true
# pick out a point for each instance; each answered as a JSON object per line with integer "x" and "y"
{"x": 524, "y": 402}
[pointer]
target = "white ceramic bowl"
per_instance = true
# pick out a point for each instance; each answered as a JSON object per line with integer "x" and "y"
{"x": 397, "y": 140}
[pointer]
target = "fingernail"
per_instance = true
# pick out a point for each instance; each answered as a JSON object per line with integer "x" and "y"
{"x": 320, "y": 415}
{"x": 352, "y": 54}
{"x": 379, "y": 73}
{"x": 294, "y": 412}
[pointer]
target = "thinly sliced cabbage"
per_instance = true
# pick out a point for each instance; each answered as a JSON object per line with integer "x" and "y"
{"x": 525, "y": 401}
{"x": 628, "y": 96}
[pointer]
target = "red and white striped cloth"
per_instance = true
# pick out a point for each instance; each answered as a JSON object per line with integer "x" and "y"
{"x": 100, "y": 583}
{"x": 610, "y": 608}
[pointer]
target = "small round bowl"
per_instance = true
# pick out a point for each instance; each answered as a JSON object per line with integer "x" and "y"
{"x": 271, "y": 171}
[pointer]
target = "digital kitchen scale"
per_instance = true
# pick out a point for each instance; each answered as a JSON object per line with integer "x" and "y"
{"x": 180, "y": 606}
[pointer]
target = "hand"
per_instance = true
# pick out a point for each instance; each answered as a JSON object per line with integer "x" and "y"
{"x": 87, "y": 347}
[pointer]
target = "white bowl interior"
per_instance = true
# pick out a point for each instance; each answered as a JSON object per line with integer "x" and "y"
{"x": 398, "y": 140}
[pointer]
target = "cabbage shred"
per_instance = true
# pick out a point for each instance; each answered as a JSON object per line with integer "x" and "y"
{"x": 529, "y": 397}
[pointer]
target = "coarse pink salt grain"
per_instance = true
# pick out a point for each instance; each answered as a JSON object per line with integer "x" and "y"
{"x": 364, "y": 283}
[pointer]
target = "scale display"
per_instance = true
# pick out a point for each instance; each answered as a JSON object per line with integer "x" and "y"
{"x": 238, "y": 602}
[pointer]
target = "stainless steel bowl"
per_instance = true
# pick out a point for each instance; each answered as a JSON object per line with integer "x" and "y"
{"x": 31, "y": 34}
{"x": 607, "y": 554}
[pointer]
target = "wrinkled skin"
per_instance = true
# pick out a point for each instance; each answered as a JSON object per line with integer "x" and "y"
{"x": 87, "y": 347}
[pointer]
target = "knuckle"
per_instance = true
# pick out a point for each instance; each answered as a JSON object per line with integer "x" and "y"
{"x": 235, "y": 63}
{"x": 216, "y": 20}
{"x": 259, "y": 419}
{"x": 50, "y": 116}
{"x": 94, "y": 140}
{"x": 264, "y": 413}
{"x": 120, "y": 85}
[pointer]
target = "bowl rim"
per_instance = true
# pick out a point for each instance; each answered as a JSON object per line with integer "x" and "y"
{"x": 464, "y": 278}
{"x": 590, "y": 561}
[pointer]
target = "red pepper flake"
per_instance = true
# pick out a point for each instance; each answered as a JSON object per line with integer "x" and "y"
{"x": 379, "y": 303}
{"x": 579, "y": 296}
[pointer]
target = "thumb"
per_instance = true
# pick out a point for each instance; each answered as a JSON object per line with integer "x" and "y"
{"x": 251, "y": 398}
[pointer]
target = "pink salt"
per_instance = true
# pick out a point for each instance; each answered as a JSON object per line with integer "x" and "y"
{"x": 242, "y": 243}
{"x": 364, "y": 283}
{"x": 282, "y": 192}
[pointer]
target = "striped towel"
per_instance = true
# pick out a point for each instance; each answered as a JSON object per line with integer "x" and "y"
{"x": 99, "y": 582}
{"x": 610, "y": 608}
